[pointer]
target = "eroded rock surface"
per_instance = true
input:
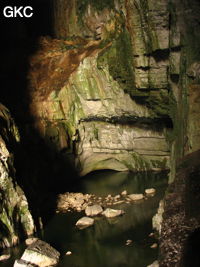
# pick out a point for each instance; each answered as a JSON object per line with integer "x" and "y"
{"x": 14, "y": 212}
{"x": 93, "y": 210}
{"x": 136, "y": 197}
{"x": 100, "y": 92}
{"x": 111, "y": 213}
{"x": 150, "y": 191}
{"x": 91, "y": 203}
{"x": 85, "y": 222}
{"x": 39, "y": 254}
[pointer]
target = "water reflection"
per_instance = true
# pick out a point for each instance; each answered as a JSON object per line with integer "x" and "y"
{"x": 103, "y": 183}
{"x": 103, "y": 245}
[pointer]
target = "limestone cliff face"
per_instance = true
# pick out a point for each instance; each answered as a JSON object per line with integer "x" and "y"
{"x": 184, "y": 79}
{"x": 101, "y": 92}
{"x": 180, "y": 216}
{"x": 15, "y": 218}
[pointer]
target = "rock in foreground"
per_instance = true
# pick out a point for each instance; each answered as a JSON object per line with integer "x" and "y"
{"x": 93, "y": 210}
{"x": 85, "y": 222}
{"x": 111, "y": 213}
{"x": 39, "y": 254}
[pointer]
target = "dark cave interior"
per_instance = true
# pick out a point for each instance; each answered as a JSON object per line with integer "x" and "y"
{"x": 40, "y": 168}
{"x": 37, "y": 164}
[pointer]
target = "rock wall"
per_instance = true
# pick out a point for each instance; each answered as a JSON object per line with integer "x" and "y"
{"x": 100, "y": 90}
{"x": 185, "y": 81}
{"x": 115, "y": 87}
{"x": 15, "y": 219}
{"x": 150, "y": 51}
{"x": 180, "y": 217}
{"x": 180, "y": 223}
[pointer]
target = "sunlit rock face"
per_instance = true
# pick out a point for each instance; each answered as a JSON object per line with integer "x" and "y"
{"x": 15, "y": 218}
{"x": 103, "y": 145}
{"x": 100, "y": 92}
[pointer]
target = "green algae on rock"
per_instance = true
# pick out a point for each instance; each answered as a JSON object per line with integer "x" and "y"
{"x": 100, "y": 120}
{"x": 14, "y": 212}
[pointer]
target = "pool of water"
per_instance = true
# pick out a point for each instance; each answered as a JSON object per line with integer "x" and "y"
{"x": 104, "y": 244}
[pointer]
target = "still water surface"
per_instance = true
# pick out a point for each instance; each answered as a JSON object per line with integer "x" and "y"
{"x": 103, "y": 245}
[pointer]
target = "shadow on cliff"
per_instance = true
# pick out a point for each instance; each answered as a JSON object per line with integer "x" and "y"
{"x": 41, "y": 170}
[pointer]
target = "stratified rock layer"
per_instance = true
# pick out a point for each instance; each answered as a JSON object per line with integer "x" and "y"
{"x": 181, "y": 202}
{"x": 100, "y": 93}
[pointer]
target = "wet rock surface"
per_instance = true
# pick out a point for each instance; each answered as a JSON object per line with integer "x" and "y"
{"x": 39, "y": 254}
{"x": 125, "y": 236}
{"x": 111, "y": 213}
{"x": 150, "y": 191}
{"x": 100, "y": 90}
{"x": 135, "y": 197}
{"x": 85, "y": 222}
{"x": 95, "y": 206}
{"x": 92, "y": 204}
{"x": 101, "y": 111}
{"x": 93, "y": 210}
{"x": 14, "y": 212}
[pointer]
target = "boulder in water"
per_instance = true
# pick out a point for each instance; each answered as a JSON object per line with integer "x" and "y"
{"x": 135, "y": 197}
{"x": 111, "y": 213}
{"x": 85, "y": 222}
{"x": 129, "y": 242}
{"x": 93, "y": 210}
{"x": 39, "y": 254}
{"x": 155, "y": 245}
{"x": 150, "y": 191}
